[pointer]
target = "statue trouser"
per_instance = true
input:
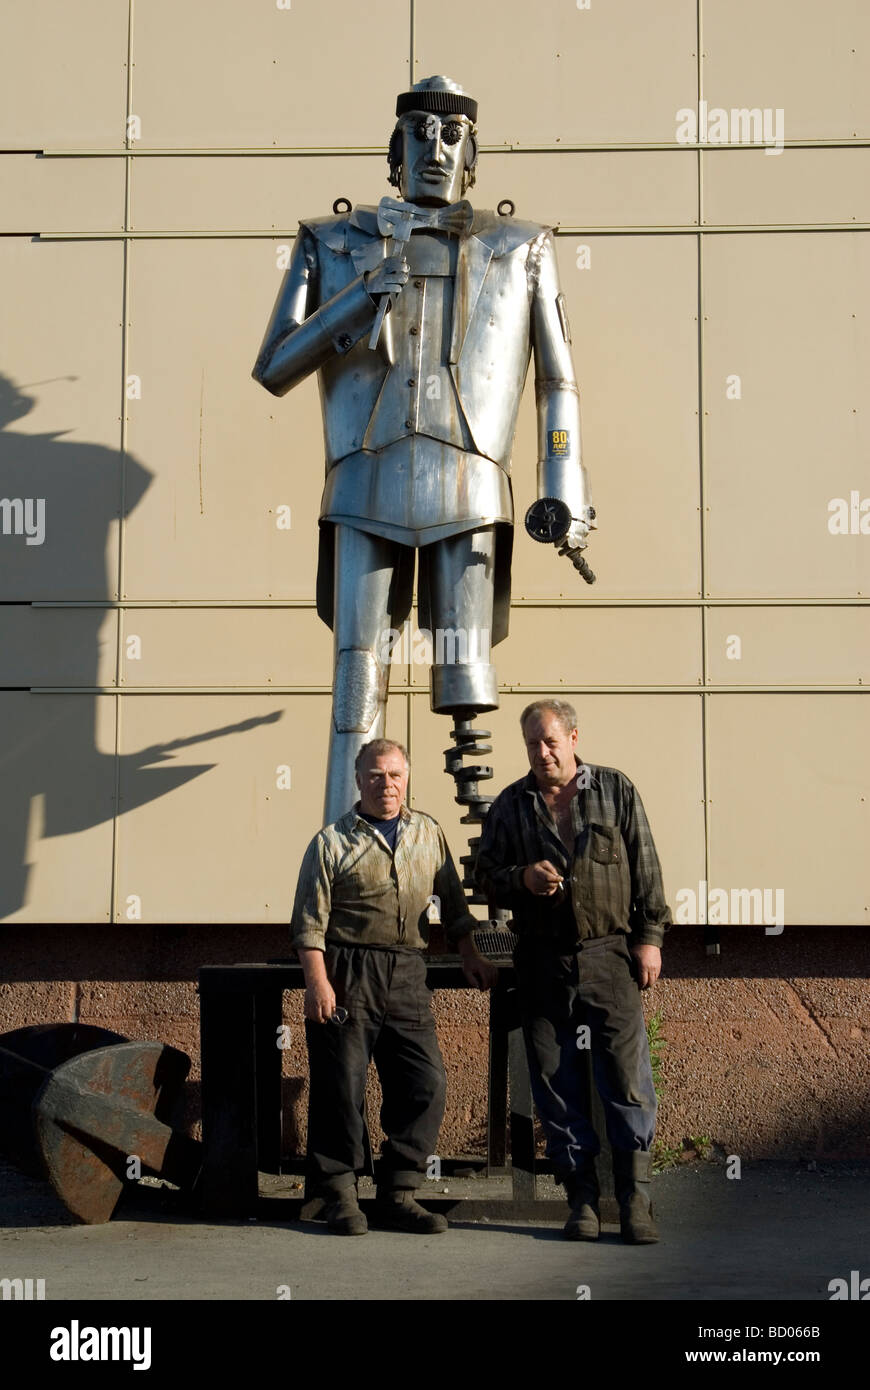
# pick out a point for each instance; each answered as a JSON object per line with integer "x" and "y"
{"x": 456, "y": 575}
{"x": 560, "y": 994}
{"x": 389, "y": 1021}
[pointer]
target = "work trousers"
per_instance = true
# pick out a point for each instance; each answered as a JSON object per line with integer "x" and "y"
{"x": 560, "y": 996}
{"x": 389, "y": 1021}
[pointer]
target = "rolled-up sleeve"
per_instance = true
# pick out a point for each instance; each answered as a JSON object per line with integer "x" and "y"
{"x": 455, "y": 916}
{"x": 649, "y": 914}
{"x": 313, "y": 901}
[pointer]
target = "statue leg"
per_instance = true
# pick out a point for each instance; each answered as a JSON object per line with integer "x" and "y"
{"x": 364, "y": 584}
{"x": 461, "y": 573}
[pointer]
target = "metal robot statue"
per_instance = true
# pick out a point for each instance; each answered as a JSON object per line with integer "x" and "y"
{"x": 419, "y": 412}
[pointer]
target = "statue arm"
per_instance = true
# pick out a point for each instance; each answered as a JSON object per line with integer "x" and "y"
{"x": 302, "y": 336}
{"x": 561, "y": 473}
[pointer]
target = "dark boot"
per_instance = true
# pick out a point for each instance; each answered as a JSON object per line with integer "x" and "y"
{"x": 631, "y": 1180}
{"x": 397, "y": 1210}
{"x": 343, "y": 1215}
{"x": 581, "y": 1186}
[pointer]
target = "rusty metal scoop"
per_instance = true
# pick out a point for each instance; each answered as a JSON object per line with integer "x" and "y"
{"x": 94, "y": 1111}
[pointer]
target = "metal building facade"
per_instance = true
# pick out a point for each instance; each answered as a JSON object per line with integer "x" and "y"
{"x": 165, "y": 679}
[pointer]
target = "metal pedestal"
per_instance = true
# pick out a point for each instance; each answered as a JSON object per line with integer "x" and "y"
{"x": 241, "y": 1012}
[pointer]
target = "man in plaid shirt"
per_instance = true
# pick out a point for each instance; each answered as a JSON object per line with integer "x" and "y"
{"x": 569, "y": 850}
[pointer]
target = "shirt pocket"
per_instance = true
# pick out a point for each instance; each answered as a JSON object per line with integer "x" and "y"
{"x": 608, "y": 877}
{"x": 360, "y": 887}
{"x": 605, "y": 844}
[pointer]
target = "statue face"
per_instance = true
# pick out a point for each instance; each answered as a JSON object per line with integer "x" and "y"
{"x": 433, "y": 157}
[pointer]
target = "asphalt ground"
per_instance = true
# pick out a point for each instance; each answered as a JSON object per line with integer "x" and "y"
{"x": 781, "y": 1232}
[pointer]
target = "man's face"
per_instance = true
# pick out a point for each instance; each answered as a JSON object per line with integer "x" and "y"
{"x": 382, "y": 782}
{"x": 550, "y": 750}
{"x": 433, "y": 157}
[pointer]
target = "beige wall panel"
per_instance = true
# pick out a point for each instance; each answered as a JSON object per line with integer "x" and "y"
{"x": 809, "y": 757}
{"x": 789, "y": 646}
{"x": 606, "y": 190}
{"x": 57, "y": 773}
{"x": 552, "y": 647}
{"x": 654, "y": 739}
{"x": 399, "y": 721}
{"x": 807, "y": 58}
{"x": 208, "y": 836}
{"x": 226, "y": 73}
{"x": 823, "y": 185}
{"x": 225, "y": 453}
{"x": 60, "y": 329}
{"x": 789, "y": 315}
{"x": 204, "y": 194}
{"x": 228, "y": 646}
{"x": 63, "y": 75}
{"x": 54, "y": 646}
{"x": 634, "y": 324}
{"x": 61, "y": 195}
{"x": 554, "y": 72}
{"x": 251, "y": 193}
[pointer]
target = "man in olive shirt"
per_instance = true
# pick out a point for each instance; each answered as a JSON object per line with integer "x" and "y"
{"x": 360, "y": 925}
{"x": 569, "y": 850}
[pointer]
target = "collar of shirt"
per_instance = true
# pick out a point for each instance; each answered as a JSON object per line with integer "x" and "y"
{"x": 530, "y": 784}
{"x": 404, "y": 817}
{"x": 543, "y": 811}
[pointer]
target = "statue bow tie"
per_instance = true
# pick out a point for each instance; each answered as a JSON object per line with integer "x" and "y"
{"x": 398, "y": 219}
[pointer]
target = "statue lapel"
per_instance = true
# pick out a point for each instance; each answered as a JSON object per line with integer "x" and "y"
{"x": 471, "y": 267}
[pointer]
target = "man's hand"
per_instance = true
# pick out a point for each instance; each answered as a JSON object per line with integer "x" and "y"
{"x": 477, "y": 970}
{"x": 542, "y": 879}
{"x": 319, "y": 1002}
{"x": 387, "y": 278}
{"x": 319, "y": 994}
{"x": 649, "y": 965}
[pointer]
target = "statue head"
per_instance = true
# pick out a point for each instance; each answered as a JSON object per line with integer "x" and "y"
{"x": 13, "y": 402}
{"x": 433, "y": 149}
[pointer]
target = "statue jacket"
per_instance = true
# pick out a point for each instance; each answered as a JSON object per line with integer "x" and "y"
{"x": 419, "y": 431}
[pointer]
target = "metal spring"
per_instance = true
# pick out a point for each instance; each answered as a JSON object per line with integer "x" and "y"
{"x": 469, "y": 743}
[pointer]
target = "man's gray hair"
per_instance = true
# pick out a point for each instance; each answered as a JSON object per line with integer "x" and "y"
{"x": 565, "y": 713}
{"x": 376, "y": 747}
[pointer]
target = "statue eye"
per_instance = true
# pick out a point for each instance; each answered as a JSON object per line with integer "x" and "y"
{"x": 426, "y": 128}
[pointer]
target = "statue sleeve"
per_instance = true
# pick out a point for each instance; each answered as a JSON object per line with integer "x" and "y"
{"x": 560, "y": 467}
{"x": 303, "y": 334}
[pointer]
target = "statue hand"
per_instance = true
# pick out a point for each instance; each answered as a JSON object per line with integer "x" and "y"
{"x": 389, "y": 277}
{"x": 576, "y": 537}
{"x": 574, "y": 543}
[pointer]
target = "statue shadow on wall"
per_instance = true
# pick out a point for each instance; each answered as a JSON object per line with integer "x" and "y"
{"x": 48, "y": 746}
